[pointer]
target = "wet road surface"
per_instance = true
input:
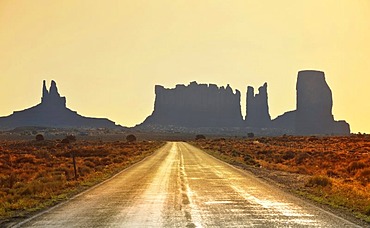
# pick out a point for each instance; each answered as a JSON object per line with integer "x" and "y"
{"x": 182, "y": 186}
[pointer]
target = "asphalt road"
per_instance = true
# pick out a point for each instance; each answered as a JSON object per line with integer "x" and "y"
{"x": 182, "y": 186}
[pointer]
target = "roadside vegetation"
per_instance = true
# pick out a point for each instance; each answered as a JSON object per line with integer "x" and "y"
{"x": 40, "y": 173}
{"x": 330, "y": 170}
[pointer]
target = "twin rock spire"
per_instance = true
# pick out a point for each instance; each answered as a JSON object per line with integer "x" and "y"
{"x": 52, "y": 96}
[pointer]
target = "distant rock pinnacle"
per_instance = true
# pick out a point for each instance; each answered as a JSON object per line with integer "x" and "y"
{"x": 257, "y": 108}
{"x": 52, "y": 97}
{"x": 52, "y": 112}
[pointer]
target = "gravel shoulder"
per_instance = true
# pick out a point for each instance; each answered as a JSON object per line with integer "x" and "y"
{"x": 292, "y": 183}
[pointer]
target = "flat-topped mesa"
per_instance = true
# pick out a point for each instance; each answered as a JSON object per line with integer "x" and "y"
{"x": 258, "y": 115}
{"x": 196, "y": 105}
{"x": 52, "y": 97}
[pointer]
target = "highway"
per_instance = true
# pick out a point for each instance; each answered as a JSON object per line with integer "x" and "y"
{"x": 182, "y": 186}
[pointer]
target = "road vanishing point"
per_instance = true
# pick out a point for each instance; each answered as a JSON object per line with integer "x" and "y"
{"x": 182, "y": 186}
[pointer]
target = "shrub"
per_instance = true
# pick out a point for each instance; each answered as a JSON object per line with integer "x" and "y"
{"x": 235, "y": 153}
{"x": 131, "y": 138}
{"x": 71, "y": 138}
{"x": 301, "y": 157}
{"x": 367, "y": 210}
{"x": 332, "y": 173}
{"x": 355, "y": 166}
{"x": 249, "y": 160}
{"x": 39, "y": 137}
{"x": 68, "y": 139}
{"x": 313, "y": 138}
{"x": 26, "y": 159}
{"x": 364, "y": 176}
{"x": 288, "y": 155}
{"x": 65, "y": 141}
{"x": 68, "y": 173}
{"x": 89, "y": 164}
{"x": 83, "y": 170}
{"x": 105, "y": 161}
{"x": 199, "y": 137}
{"x": 250, "y": 135}
{"x": 117, "y": 160}
{"x": 321, "y": 181}
{"x": 302, "y": 170}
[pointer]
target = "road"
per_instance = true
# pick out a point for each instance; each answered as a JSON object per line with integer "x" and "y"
{"x": 182, "y": 186}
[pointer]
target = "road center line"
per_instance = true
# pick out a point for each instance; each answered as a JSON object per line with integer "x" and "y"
{"x": 191, "y": 210}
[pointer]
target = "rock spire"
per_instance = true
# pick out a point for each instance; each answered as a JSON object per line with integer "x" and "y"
{"x": 52, "y": 112}
{"x": 257, "y": 108}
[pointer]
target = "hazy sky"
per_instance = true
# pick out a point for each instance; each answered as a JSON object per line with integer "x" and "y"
{"x": 106, "y": 56}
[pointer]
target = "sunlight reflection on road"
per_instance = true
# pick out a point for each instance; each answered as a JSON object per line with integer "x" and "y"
{"x": 181, "y": 186}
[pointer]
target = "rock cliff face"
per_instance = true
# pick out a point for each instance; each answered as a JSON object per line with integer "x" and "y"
{"x": 314, "y": 108}
{"x": 202, "y": 105}
{"x": 257, "y": 108}
{"x": 196, "y": 105}
{"x": 314, "y": 103}
{"x": 52, "y": 112}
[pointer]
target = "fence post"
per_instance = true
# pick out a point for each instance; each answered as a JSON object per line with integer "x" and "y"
{"x": 74, "y": 164}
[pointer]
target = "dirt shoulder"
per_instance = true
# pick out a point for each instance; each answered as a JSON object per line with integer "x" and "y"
{"x": 37, "y": 175}
{"x": 293, "y": 183}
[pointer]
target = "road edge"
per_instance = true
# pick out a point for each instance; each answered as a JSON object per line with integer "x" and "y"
{"x": 270, "y": 182}
{"x": 38, "y": 214}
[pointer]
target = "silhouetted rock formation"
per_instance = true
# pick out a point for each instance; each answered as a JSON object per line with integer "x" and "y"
{"x": 196, "y": 105}
{"x": 257, "y": 108}
{"x": 314, "y": 108}
{"x": 52, "y": 97}
{"x": 202, "y": 107}
{"x": 285, "y": 122}
{"x": 314, "y": 103}
{"x": 52, "y": 112}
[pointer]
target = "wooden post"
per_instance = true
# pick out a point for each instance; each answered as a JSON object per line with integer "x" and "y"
{"x": 74, "y": 164}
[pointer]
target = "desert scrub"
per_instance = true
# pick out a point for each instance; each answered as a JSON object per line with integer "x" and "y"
{"x": 37, "y": 174}
{"x": 338, "y": 167}
{"x": 318, "y": 181}
{"x": 356, "y": 165}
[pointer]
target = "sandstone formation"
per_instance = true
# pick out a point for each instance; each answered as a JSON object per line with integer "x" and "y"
{"x": 204, "y": 107}
{"x": 196, "y": 105}
{"x": 313, "y": 114}
{"x": 208, "y": 106}
{"x": 257, "y": 108}
{"x": 285, "y": 122}
{"x": 52, "y": 112}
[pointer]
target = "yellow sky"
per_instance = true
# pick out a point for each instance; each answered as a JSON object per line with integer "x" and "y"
{"x": 106, "y": 56}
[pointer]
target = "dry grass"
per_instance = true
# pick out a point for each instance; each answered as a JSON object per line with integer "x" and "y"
{"x": 35, "y": 175}
{"x": 339, "y": 167}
